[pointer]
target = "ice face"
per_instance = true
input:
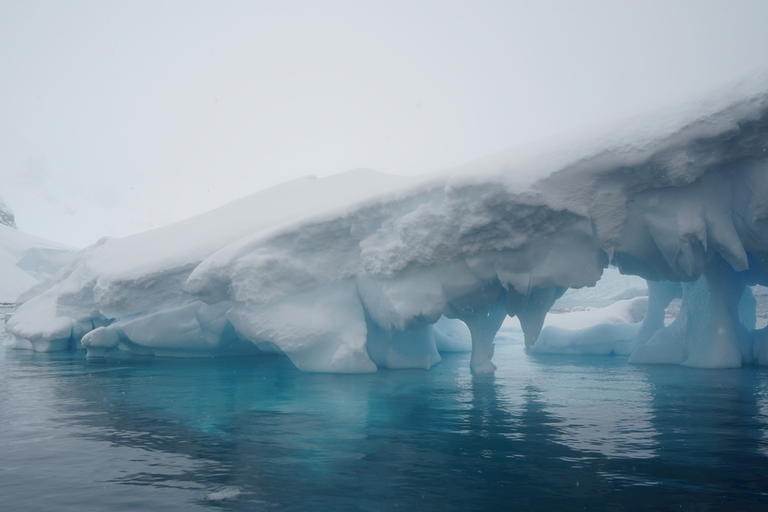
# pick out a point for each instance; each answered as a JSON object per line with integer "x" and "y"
{"x": 350, "y": 284}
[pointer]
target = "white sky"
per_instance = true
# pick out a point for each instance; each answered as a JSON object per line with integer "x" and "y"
{"x": 118, "y": 116}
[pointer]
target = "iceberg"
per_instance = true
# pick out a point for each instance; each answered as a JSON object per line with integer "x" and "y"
{"x": 605, "y": 319}
{"x": 610, "y": 330}
{"x": 363, "y": 271}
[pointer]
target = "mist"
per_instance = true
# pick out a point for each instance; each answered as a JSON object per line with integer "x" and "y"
{"x": 116, "y": 117}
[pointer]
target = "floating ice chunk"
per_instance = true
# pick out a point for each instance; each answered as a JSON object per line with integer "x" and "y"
{"x": 452, "y": 335}
{"x": 601, "y": 339}
{"x": 596, "y": 331}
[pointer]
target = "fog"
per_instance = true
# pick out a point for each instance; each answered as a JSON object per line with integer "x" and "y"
{"x": 120, "y": 116}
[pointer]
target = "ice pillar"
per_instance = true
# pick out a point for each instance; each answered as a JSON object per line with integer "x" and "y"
{"x": 660, "y": 294}
{"x": 714, "y": 330}
{"x": 483, "y": 326}
{"x": 483, "y": 312}
{"x": 531, "y": 309}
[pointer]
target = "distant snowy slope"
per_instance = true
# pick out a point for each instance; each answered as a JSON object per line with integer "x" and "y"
{"x": 351, "y": 273}
{"x": 24, "y": 260}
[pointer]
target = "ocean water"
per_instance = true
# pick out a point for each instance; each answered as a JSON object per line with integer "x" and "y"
{"x": 545, "y": 433}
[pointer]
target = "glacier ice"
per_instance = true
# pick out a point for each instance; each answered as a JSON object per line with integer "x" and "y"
{"x": 363, "y": 270}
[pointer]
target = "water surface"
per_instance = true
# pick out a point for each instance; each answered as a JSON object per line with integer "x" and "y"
{"x": 544, "y": 433}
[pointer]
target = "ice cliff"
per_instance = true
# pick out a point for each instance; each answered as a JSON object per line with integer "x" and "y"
{"x": 342, "y": 280}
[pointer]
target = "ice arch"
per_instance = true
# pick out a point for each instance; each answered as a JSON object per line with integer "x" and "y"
{"x": 340, "y": 282}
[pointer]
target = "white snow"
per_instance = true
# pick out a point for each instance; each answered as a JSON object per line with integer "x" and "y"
{"x": 620, "y": 312}
{"x": 607, "y": 330}
{"x": 349, "y": 273}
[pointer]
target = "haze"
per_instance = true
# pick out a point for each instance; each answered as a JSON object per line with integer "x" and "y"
{"x": 116, "y": 117}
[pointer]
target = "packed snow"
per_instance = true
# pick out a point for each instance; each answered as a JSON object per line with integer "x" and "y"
{"x": 364, "y": 271}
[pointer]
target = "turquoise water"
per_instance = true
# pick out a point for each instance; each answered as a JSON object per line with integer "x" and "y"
{"x": 545, "y": 433}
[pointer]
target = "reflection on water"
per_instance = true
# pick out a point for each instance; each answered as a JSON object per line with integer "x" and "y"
{"x": 545, "y": 433}
{"x": 762, "y": 401}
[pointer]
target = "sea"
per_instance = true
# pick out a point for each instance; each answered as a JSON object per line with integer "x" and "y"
{"x": 545, "y": 433}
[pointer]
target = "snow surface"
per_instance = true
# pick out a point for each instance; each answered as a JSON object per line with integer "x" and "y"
{"x": 349, "y": 273}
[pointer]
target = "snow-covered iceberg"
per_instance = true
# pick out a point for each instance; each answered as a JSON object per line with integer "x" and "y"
{"x": 341, "y": 280}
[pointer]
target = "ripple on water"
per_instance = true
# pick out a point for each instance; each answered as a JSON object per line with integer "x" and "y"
{"x": 544, "y": 433}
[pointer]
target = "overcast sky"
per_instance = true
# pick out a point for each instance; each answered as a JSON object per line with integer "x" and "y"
{"x": 118, "y": 116}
